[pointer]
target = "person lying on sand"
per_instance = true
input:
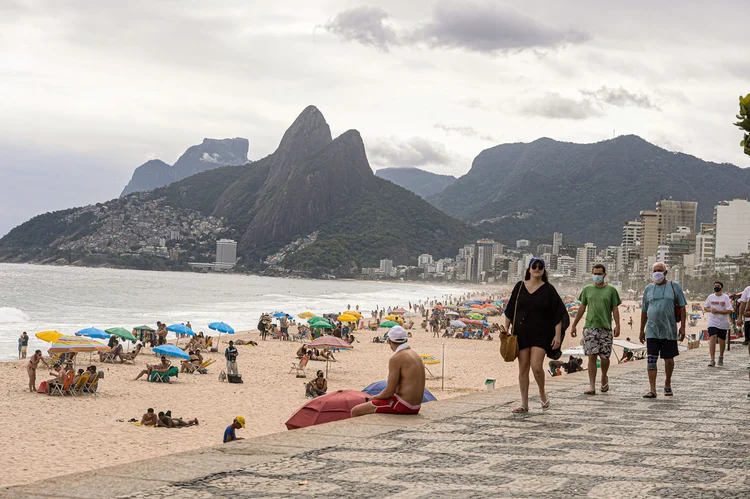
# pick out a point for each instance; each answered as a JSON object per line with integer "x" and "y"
{"x": 149, "y": 419}
{"x": 168, "y": 422}
{"x": 160, "y": 368}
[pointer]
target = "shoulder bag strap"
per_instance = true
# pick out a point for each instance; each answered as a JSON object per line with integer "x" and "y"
{"x": 515, "y": 311}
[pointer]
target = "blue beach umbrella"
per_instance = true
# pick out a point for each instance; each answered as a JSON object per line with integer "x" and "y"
{"x": 279, "y": 315}
{"x": 181, "y": 328}
{"x": 172, "y": 351}
{"x": 378, "y": 387}
{"x": 458, "y": 324}
{"x": 221, "y": 327}
{"x": 92, "y": 332}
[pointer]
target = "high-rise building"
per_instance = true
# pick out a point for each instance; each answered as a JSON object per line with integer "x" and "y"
{"x": 676, "y": 214}
{"x": 556, "y": 243}
{"x": 497, "y": 249}
{"x": 226, "y": 253}
{"x": 424, "y": 259}
{"x": 705, "y": 244}
{"x": 631, "y": 233}
{"x": 649, "y": 220}
{"x": 584, "y": 258}
{"x": 543, "y": 248}
{"x": 386, "y": 267}
{"x": 484, "y": 256}
{"x": 732, "y": 223}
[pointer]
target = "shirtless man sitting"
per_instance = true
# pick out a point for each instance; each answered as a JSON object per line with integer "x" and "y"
{"x": 31, "y": 368}
{"x": 161, "y": 368}
{"x": 405, "y": 384}
{"x": 149, "y": 419}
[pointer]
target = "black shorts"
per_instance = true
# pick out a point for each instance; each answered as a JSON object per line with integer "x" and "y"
{"x": 666, "y": 349}
{"x": 721, "y": 333}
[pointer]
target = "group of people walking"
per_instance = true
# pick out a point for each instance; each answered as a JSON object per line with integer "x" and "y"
{"x": 536, "y": 315}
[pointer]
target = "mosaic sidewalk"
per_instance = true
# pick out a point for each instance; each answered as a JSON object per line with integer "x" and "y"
{"x": 692, "y": 445}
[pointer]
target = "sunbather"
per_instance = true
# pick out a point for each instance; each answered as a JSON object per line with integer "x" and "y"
{"x": 316, "y": 387}
{"x": 160, "y": 368}
{"x": 328, "y": 355}
{"x": 132, "y": 355}
{"x": 196, "y": 359}
{"x": 301, "y": 352}
{"x": 58, "y": 371}
{"x": 168, "y": 422}
{"x": 115, "y": 352}
{"x": 149, "y": 419}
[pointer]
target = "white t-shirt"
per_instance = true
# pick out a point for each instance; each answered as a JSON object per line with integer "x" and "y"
{"x": 722, "y": 302}
{"x": 744, "y": 298}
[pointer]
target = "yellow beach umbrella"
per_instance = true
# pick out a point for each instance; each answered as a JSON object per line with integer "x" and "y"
{"x": 394, "y": 318}
{"x": 347, "y": 318}
{"x": 354, "y": 313}
{"x": 49, "y": 336}
{"x": 306, "y": 315}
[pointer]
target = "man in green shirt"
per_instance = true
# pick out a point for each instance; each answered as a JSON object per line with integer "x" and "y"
{"x": 601, "y": 300}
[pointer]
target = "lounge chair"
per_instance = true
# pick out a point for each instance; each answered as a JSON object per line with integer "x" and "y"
{"x": 299, "y": 368}
{"x": 112, "y": 356}
{"x": 201, "y": 368}
{"x": 78, "y": 387}
{"x": 65, "y": 387}
{"x": 90, "y": 387}
{"x": 130, "y": 357}
{"x": 158, "y": 377}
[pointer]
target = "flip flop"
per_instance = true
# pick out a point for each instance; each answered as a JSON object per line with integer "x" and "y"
{"x": 590, "y": 392}
{"x": 668, "y": 392}
{"x": 650, "y": 395}
{"x": 519, "y": 410}
{"x": 545, "y": 405}
{"x": 605, "y": 387}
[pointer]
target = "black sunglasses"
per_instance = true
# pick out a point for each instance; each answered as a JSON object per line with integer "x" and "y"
{"x": 537, "y": 266}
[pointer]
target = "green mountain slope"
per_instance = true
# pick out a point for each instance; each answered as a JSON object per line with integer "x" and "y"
{"x": 586, "y": 191}
{"x": 420, "y": 182}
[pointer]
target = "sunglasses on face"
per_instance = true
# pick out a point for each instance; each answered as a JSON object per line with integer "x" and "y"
{"x": 537, "y": 266}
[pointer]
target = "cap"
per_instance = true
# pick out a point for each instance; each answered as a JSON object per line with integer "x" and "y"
{"x": 397, "y": 334}
{"x": 240, "y": 420}
{"x": 536, "y": 259}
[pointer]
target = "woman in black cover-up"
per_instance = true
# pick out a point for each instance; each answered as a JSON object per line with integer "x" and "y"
{"x": 538, "y": 326}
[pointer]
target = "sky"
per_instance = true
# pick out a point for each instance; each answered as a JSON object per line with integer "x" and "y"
{"x": 91, "y": 90}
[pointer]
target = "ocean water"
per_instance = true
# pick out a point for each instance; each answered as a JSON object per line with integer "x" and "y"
{"x": 35, "y": 298}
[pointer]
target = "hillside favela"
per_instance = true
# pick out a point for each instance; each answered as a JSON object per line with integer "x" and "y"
{"x": 341, "y": 249}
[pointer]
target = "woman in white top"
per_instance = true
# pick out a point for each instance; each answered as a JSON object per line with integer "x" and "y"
{"x": 719, "y": 307}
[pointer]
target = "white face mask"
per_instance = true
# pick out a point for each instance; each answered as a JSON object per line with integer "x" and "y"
{"x": 658, "y": 277}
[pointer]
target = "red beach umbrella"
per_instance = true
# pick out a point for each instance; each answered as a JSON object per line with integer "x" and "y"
{"x": 398, "y": 311}
{"x": 333, "y": 406}
{"x": 330, "y": 342}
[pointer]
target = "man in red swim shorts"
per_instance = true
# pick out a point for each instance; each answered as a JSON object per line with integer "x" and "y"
{"x": 405, "y": 382}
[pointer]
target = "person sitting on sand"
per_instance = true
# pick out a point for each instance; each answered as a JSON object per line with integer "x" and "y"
{"x": 149, "y": 419}
{"x": 301, "y": 352}
{"x": 229, "y": 433}
{"x": 317, "y": 386}
{"x": 405, "y": 381}
{"x": 160, "y": 368}
{"x": 168, "y": 422}
{"x": 31, "y": 367}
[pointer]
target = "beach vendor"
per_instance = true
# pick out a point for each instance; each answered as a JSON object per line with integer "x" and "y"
{"x": 405, "y": 381}
{"x": 229, "y": 433}
{"x": 231, "y": 354}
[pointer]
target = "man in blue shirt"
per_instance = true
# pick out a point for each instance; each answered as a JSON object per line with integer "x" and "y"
{"x": 659, "y": 325}
{"x": 229, "y": 435}
{"x": 231, "y": 354}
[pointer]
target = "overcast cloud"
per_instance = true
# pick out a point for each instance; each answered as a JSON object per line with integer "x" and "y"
{"x": 90, "y": 90}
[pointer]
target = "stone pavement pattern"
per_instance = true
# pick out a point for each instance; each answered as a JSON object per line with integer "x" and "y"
{"x": 692, "y": 445}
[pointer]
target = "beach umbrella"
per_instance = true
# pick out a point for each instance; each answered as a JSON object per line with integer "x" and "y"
{"x": 451, "y": 313}
{"x": 279, "y": 315}
{"x": 347, "y": 318}
{"x": 322, "y": 325}
{"x": 379, "y": 386}
{"x": 66, "y": 344}
{"x": 181, "y": 329}
{"x": 121, "y": 332}
{"x": 92, "y": 332}
{"x": 450, "y": 306}
{"x": 49, "y": 336}
{"x": 398, "y": 311}
{"x": 221, "y": 327}
{"x": 306, "y": 315}
{"x": 458, "y": 324}
{"x": 328, "y": 341}
{"x": 463, "y": 309}
{"x": 171, "y": 351}
{"x": 410, "y": 314}
{"x": 354, "y": 313}
{"x": 478, "y": 317}
{"x": 474, "y": 322}
{"x": 388, "y": 324}
{"x": 330, "y": 407}
{"x": 144, "y": 328}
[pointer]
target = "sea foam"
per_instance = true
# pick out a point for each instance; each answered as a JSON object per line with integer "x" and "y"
{"x": 10, "y": 315}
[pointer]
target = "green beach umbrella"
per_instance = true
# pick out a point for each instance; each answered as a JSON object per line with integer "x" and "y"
{"x": 323, "y": 325}
{"x": 144, "y": 328}
{"x": 478, "y": 317}
{"x": 389, "y": 324}
{"x": 121, "y": 332}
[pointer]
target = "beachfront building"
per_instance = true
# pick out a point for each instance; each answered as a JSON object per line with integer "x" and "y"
{"x": 226, "y": 254}
{"x": 424, "y": 260}
{"x": 584, "y": 259}
{"x": 485, "y": 257}
{"x": 543, "y": 248}
{"x": 556, "y": 242}
{"x": 631, "y": 234}
{"x": 732, "y": 228}
{"x": 386, "y": 268}
{"x": 522, "y": 243}
{"x": 665, "y": 219}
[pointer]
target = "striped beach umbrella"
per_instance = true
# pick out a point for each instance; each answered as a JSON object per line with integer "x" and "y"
{"x": 66, "y": 344}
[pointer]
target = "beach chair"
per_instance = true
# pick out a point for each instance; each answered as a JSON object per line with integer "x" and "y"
{"x": 158, "y": 377}
{"x": 76, "y": 389}
{"x": 202, "y": 368}
{"x": 91, "y": 386}
{"x": 299, "y": 368}
{"x": 112, "y": 356}
{"x": 65, "y": 387}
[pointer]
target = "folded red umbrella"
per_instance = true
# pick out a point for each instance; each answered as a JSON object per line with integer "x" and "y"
{"x": 333, "y": 406}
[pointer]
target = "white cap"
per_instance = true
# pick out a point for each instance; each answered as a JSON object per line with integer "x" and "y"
{"x": 397, "y": 334}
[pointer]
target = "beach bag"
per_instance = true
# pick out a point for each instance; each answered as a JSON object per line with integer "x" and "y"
{"x": 222, "y": 376}
{"x": 677, "y": 312}
{"x": 234, "y": 378}
{"x": 509, "y": 340}
{"x": 43, "y": 388}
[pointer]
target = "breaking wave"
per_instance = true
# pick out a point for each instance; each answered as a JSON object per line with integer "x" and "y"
{"x": 10, "y": 314}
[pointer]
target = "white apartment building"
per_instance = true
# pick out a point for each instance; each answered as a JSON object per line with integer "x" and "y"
{"x": 732, "y": 223}
{"x": 226, "y": 253}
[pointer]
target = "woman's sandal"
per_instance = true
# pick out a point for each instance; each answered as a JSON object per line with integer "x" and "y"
{"x": 650, "y": 395}
{"x": 590, "y": 391}
{"x": 668, "y": 392}
{"x": 519, "y": 410}
{"x": 605, "y": 387}
{"x": 545, "y": 405}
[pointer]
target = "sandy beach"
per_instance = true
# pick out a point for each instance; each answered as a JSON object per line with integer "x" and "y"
{"x": 50, "y": 436}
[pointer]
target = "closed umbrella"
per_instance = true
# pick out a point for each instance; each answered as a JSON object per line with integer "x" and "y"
{"x": 221, "y": 327}
{"x": 49, "y": 336}
{"x": 325, "y": 409}
{"x": 171, "y": 351}
{"x": 92, "y": 332}
{"x": 379, "y": 386}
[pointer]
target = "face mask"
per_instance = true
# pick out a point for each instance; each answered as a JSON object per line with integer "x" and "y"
{"x": 658, "y": 277}
{"x": 717, "y": 289}
{"x": 598, "y": 279}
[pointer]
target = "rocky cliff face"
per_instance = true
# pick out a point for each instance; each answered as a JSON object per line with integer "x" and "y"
{"x": 208, "y": 155}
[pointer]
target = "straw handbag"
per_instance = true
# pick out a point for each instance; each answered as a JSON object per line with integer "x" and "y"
{"x": 509, "y": 340}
